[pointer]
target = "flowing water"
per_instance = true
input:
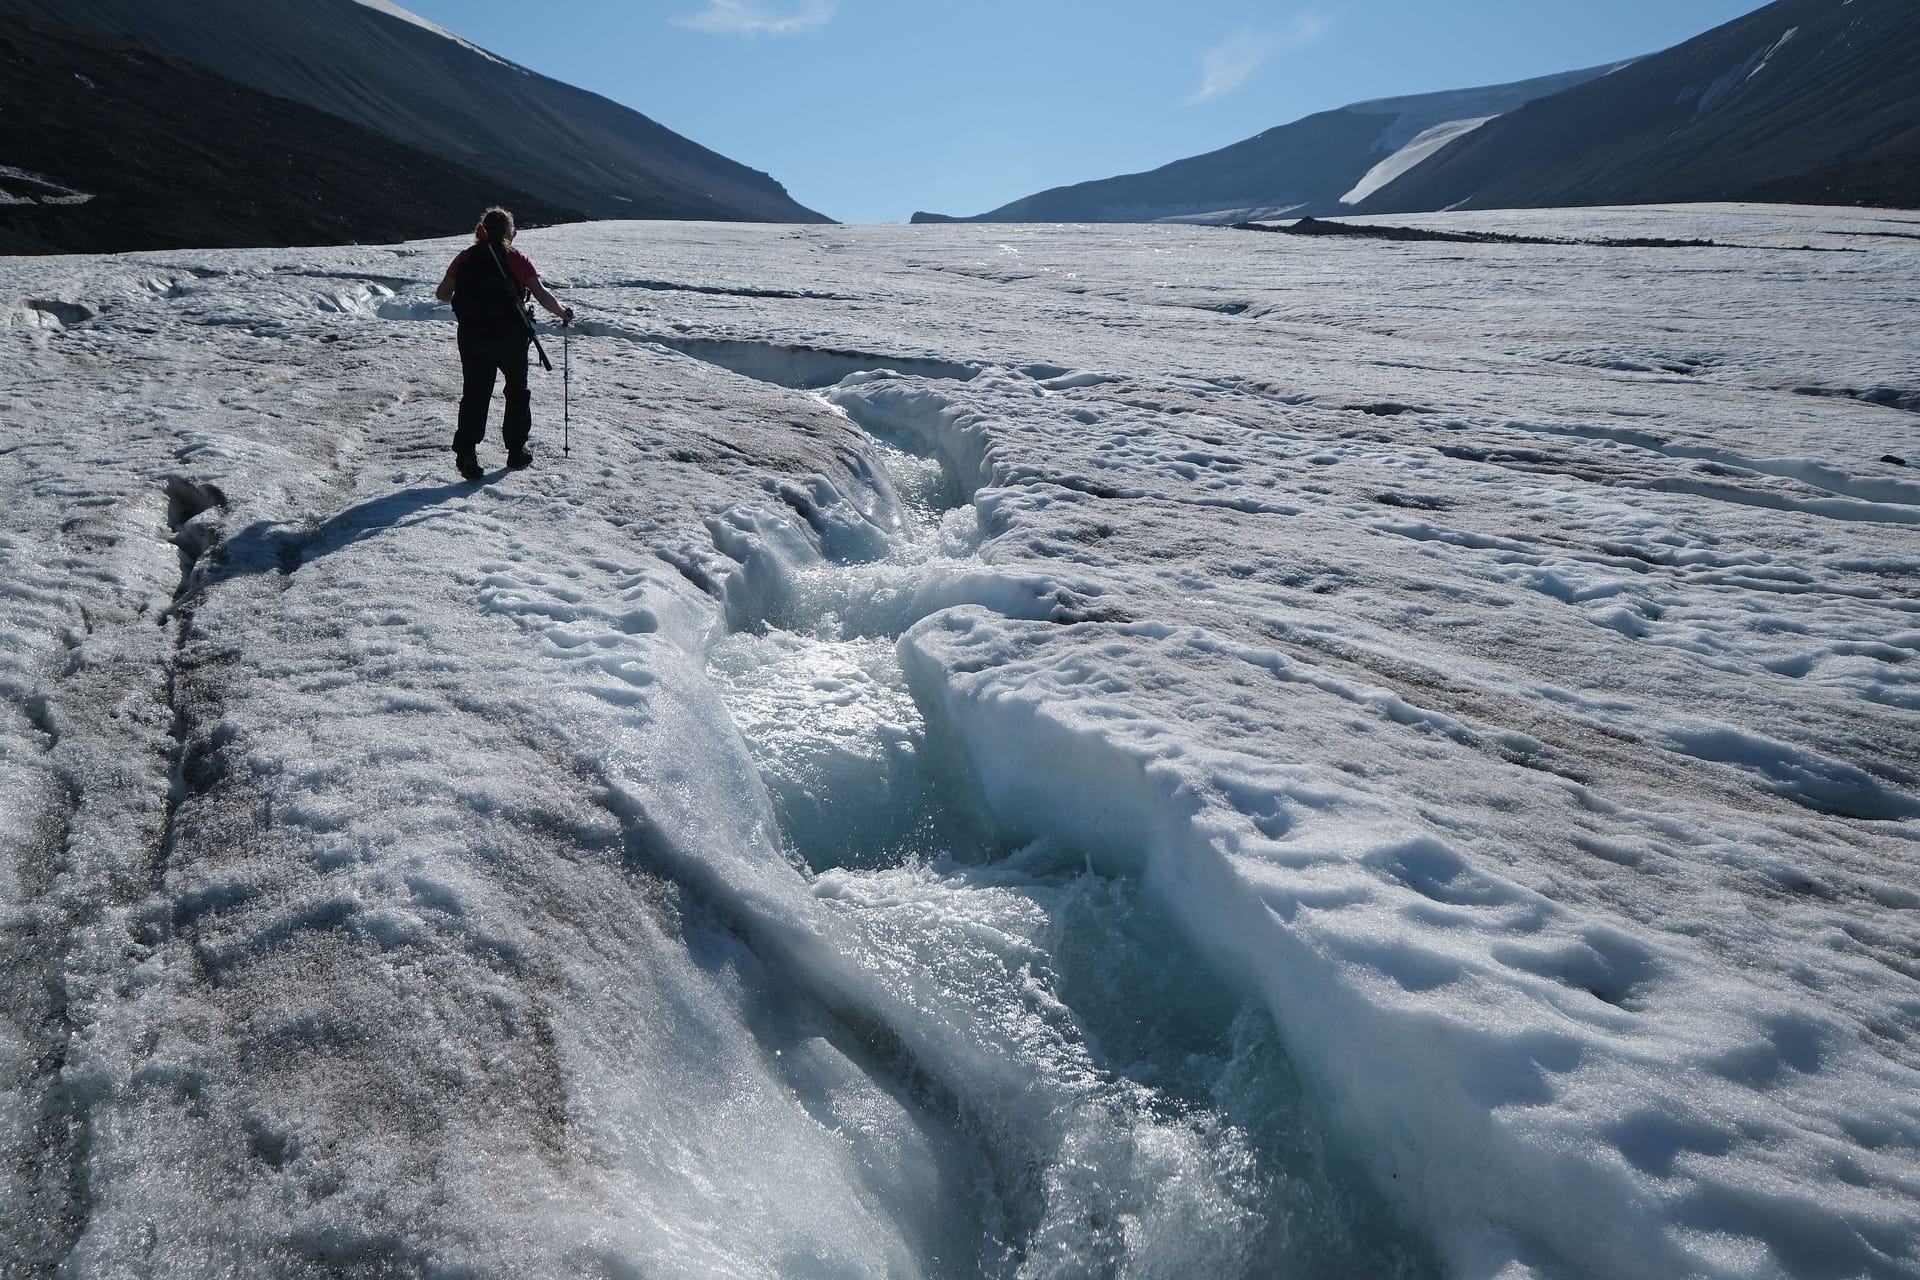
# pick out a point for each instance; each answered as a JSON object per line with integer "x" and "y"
{"x": 1138, "y": 1113}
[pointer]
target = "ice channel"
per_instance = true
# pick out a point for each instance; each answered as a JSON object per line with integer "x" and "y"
{"x": 1136, "y": 1109}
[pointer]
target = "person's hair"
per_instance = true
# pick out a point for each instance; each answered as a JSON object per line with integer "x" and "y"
{"x": 495, "y": 224}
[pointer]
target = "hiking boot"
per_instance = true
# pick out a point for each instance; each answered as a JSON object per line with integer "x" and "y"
{"x": 519, "y": 459}
{"x": 468, "y": 465}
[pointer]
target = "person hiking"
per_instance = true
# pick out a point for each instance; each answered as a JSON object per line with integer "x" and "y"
{"x": 489, "y": 284}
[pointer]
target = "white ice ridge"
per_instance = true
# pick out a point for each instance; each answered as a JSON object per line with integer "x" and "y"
{"x": 1132, "y": 756}
{"x": 1412, "y": 154}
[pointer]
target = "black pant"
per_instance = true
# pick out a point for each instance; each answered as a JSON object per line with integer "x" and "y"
{"x": 481, "y": 357}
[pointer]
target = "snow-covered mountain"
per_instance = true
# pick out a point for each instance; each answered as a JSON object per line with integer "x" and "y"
{"x": 1311, "y": 166}
{"x": 448, "y": 112}
{"x": 1815, "y": 101}
{"x": 1013, "y": 752}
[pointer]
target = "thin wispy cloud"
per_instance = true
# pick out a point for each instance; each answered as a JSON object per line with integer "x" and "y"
{"x": 1235, "y": 60}
{"x": 750, "y": 18}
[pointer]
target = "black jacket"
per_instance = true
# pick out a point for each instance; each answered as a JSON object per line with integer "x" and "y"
{"x": 485, "y": 299}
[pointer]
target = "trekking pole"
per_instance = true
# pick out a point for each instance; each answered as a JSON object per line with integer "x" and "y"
{"x": 566, "y": 390}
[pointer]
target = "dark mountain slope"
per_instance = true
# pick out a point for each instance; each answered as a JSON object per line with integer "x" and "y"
{"x": 172, "y": 157}
{"x": 432, "y": 92}
{"x": 1303, "y": 167}
{"x": 1813, "y": 101}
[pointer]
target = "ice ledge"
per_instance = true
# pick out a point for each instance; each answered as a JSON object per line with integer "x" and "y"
{"x": 1536, "y": 1086}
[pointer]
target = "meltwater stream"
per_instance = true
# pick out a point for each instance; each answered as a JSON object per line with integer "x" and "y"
{"x": 1137, "y": 1114}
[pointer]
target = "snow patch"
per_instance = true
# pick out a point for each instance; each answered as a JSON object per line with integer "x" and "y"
{"x": 1734, "y": 77}
{"x": 393, "y": 10}
{"x": 1412, "y": 155}
{"x": 1778, "y": 45}
{"x": 33, "y": 188}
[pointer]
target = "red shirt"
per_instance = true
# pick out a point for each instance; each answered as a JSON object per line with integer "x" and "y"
{"x": 519, "y": 266}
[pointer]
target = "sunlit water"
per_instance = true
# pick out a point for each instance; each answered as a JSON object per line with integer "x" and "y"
{"x": 1138, "y": 1113}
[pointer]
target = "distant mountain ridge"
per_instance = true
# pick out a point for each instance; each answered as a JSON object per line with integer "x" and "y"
{"x": 451, "y": 120}
{"x": 1809, "y": 101}
{"x": 1305, "y": 167}
{"x": 120, "y": 158}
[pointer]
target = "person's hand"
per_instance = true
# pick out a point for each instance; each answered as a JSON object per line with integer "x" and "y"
{"x": 566, "y": 315}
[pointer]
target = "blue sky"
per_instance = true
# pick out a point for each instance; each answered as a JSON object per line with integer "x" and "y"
{"x": 869, "y": 109}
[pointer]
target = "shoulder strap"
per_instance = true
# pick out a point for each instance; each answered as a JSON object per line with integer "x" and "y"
{"x": 513, "y": 298}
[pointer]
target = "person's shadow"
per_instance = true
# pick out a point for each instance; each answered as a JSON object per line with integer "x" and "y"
{"x": 268, "y": 546}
